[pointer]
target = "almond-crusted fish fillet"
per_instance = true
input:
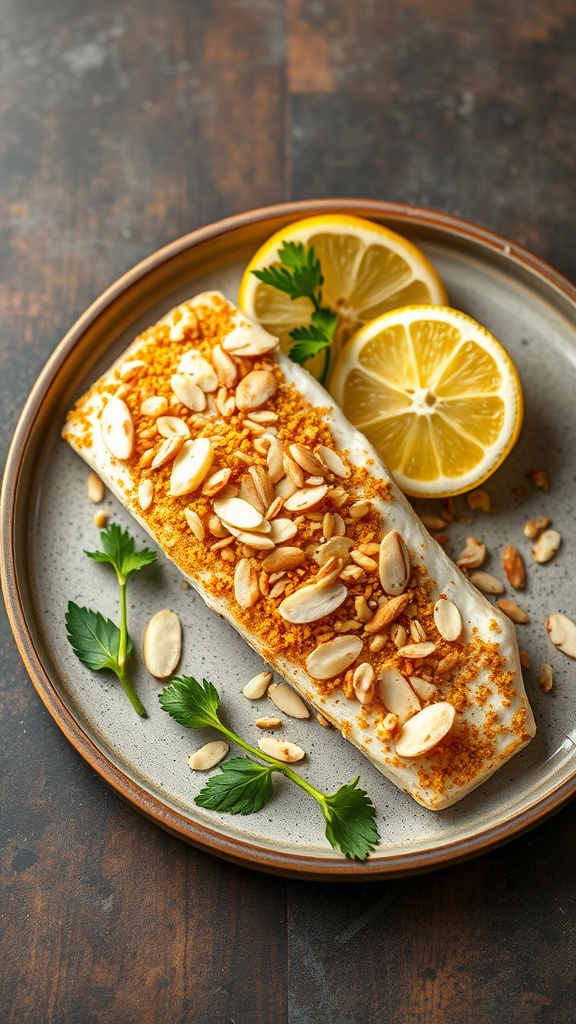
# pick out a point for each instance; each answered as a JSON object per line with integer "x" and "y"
{"x": 284, "y": 519}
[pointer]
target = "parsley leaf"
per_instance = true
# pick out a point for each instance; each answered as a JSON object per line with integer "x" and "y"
{"x": 97, "y": 641}
{"x": 299, "y": 274}
{"x": 243, "y": 785}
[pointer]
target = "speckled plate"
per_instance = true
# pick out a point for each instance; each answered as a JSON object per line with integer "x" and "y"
{"x": 47, "y": 521}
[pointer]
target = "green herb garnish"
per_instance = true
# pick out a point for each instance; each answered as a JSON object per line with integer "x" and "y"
{"x": 95, "y": 640}
{"x": 244, "y": 785}
{"x": 299, "y": 275}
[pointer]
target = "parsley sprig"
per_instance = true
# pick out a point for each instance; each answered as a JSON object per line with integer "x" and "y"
{"x": 243, "y": 785}
{"x": 95, "y": 640}
{"x": 299, "y": 275}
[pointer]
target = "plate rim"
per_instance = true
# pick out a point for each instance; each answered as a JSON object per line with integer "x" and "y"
{"x": 240, "y": 850}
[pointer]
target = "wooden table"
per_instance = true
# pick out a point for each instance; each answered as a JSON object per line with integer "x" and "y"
{"x": 124, "y": 125}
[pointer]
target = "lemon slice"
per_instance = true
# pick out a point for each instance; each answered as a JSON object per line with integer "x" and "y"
{"x": 436, "y": 394}
{"x": 367, "y": 270}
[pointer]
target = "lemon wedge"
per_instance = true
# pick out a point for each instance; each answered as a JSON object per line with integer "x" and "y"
{"x": 436, "y": 394}
{"x": 367, "y": 270}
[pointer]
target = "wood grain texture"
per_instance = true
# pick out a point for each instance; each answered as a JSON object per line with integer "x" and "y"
{"x": 123, "y": 126}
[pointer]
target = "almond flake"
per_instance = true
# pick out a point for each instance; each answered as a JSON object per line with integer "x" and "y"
{"x": 425, "y": 730}
{"x": 199, "y": 370}
{"x": 226, "y": 369}
{"x": 306, "y": 459}
{"x": 256, "y": 541}
{"x": 247, "y": 339}
{"x": 257, "y": 686}
{"x": 513, "y": 611}
{"x": 479, "y": 501}
{"x": 145, "y": 494}
{"x": 191, "y": 466}
{"x": 534, "y": 527}
{"x": 419, "y": 650}
{"x": 562, "y": 632}
{"x": 423, "y": 689}
{"x": 117, "y": 428}
{"x": 329, "y": 572}
{"x": 333, "y": 462}
{"x": 246, "y": 589}
{"x": 282, "y": 530}
{"x": 95, "y": 489}
{"x": 215, "y": 482}
{"x": 394, "y": 563}
{"x": 255, "y": 389}
{"x": 359, "y": 509}
{"x": 275, "y": 461}
{"x": 270, "y": 722}
{"x": 167, "y": 426}
{"x": 363, "y": 682}
{"x": 287, "y": 700}
{"x": 282, "y": 750}
{"x": 546, "y": 679}
{"x": 310, "y": 603}
{"x": 188, "y": 392}
{"x": 397, "y": 694}
{"x": 364, "y": 561}
{"x": 513, "y": 566}
{"x": 154, "y": 406}
{"x": 284, "y": 558}
{"x": 487, "y": 583}
{"x": 239, "y": 513}
{"x": 433, "y": 522}
{"x": 195, "y": 523}
{"x": 167, "y": 451}
{"x": 473, "y": 554}
{"x": 331, "y": 658}
{"x": 162, "y": 644}
{"x": 447, "y": 619}
{"x": 336, "y": 546}
{"x": 208, "y": 756}
{"x": 546, "y": 546}
{"x": 308, "y": 497}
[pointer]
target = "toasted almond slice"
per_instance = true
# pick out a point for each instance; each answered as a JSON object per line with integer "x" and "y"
{"x": 310, "y": 603}
{"x": 284, "y": 558}
{"x": 255, "y": 389}
{"x": 257, "y": 686}
{"x": 188, "y": 392}
{"x": 226, "y": 369}
{"x": 562, "y": 632}
{"x": 200, "y": 371}
{"x": 308, "y": 497}
{"x": 487, "y": 583}
{"x": 331, "y": 658}
{"x": 167, "y": 426}
{"x": 546, "y": 678}
{"x": 472, "y": 555}
{"x": 293, "y": 471}
{"x": 117, "y": 428}
{"x": 195, "y": 523}
{"x": 132, "y": 369}
{"x": 305, "y": 458}
{"x": 513, "y": 565}
{"x": 433, "y": 522}
{"x": 534, "y": 527}
{"x": 364, "y": 561}
{"x": 154, "y": 406}
{"x": 287, "y": 700}
{"x": 416, "y": 651}
{"x": 479, "y": 501}
{"x": 208, "y": 756}
{"x": 191, "y": 466}
{"x": 249, "y": 493}
{"x": 423, "y": 731}
{"x": 336, "y": 546}
{"x": 263, "y": 485}
{"x": 284, "y": 488}
{"x": 329, "y": 572}
{"x": 257, "y": 541}
{"x": 447, "y": 619}
{"x": 397, "y": 694}
{"x": 513, "y": 611}
{"x": 282, "y": 750}
{"x": 162, "y": 643}
{"x": 388, "y": 612}
{"x": 239, "y": 513}
{"x": 216, "y": 482}
{"x": 363, "y": 682}
{"x": 333, "y": 461}
{"x": 264, "y": 416}
{"x": 167, "y": 451}
{"x": 394, "y": 563}
{"x": 247, "y": 339}
{"x": 95, "y": 488}
{"x": 275, "y": 460}
{"x": 270, "y": 722}
{"x": 282, "y": 530}
{"x": 359, "y": 509}
{"x": 422, "y": 688}
{"x": 246, "y": 589}
{"x": 546, "y": 546}
{"x": 145, "y": 494}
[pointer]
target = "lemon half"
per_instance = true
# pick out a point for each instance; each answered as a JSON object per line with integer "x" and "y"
{"x": 367, "y": 270}
{"x": 435, "y": 393}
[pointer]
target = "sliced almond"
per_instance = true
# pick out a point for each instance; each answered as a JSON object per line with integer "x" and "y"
{"x": 208, "y": 756}
{"x": 472, "y": 555}
{"x": 167, "y": 451}
{"x": 546, "y": 546}
{"x": 397, "y": 694}
{"x": 359, "y": 509}
{"x": 154, "y": 406}
{"x": 255, "y": 389}
{"x": 191, "y": 466}
{"x": 433, "y": 522}
{"x": 331, "y": 658}
{"x": 333, "y": 461}
{"x": 249, "y": 493}
{"x": 246, "y": 589}
{"x": 270, "y": 722}
{"x": 534, "y": 527}
{"x": 247, "y": 339}
{"x": 257, "y": 686}
{"x": 310, "y": 603}
{"x": 339, "y": 547}
{"x": 169, "y": 425}
{"x": 363, "y": 682}
{"x": 216, "y": 482}
{"x": 513, "y": 565}
{"x": 329, "y": 572}
{"x": 287, "y": 700}
{"x": 562, "y": 632}
{"x": 145, "y": 494}
{"x": 95, "y": 489}
{"x": 487, "y": 583}
{"x": 162, "y": 643}
{"x": 239, "y": 513}
{"x": 282, "y": 530}
{"x": 117, "y": 428}
{"x": 447, "y": 619}
{"x": 364, "y": 561}
{"x": 306, "y": 498}
{"x": 513, "y": 611}
{"x": 195, "y": 523}
{"x": 284, "y": 558}
{"x": 305, "y": 458}
{"x": 282, "y": 750}
{"x": 188, "y": 392}
{"x": 275, "y": 460}
{"x": 422, "y": 688}
{"x": 226, "y": 369}
{"x": 425, "y": 730}
{"x": 394, "y": 563}
{"x": 199, "y": 370}
{"x": 262, "y": 484}
{"x": 389, "y": 612}
{"x": 546, "y": 679}
{"x": 417, "y": 651}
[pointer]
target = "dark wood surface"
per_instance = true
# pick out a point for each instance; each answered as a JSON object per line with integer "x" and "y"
{"x": 122, "y": 126}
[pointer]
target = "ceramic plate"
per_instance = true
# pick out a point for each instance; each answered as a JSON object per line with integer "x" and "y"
{"x": 48, "y": 522}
